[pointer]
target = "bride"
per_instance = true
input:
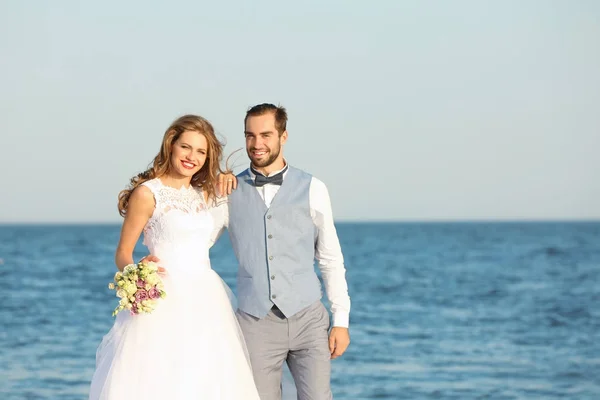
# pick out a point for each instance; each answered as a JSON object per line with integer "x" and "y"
{"x": 190, "y": 346}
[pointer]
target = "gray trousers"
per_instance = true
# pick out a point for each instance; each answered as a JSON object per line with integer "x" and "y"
{"x": 301, "y": 340}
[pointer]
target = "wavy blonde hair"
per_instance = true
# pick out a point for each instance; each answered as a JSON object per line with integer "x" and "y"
{"x": 206, "y": 178}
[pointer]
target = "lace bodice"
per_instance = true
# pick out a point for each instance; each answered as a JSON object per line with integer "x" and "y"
{"x": 179, "y": 231}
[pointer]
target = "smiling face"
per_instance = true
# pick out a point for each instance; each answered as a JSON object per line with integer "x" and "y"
{"x": 188, "y": 154}
{"x": 263, "y": 142}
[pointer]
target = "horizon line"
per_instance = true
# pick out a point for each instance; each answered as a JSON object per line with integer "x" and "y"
{"x": 345, "y": 221}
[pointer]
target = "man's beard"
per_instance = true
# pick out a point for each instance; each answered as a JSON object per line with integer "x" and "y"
{"x": 270, "y": 160}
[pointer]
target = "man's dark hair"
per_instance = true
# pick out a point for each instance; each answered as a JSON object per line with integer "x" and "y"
{"x": 279, "y": 112}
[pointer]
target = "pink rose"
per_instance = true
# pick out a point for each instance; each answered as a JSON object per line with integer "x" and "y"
{"x": 141, "y": 295}
{"x": 154, "y": 293}
{"x": 140, "y": 283}
{"x": 134, "y": 309}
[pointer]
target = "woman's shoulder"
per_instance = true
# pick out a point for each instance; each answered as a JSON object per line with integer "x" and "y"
{"x": 152, "y": 184}
{"x": 142, "y": 193}
{"x": 141, "y": 200}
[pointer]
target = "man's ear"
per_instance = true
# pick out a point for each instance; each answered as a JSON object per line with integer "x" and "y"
{"x": 284, "y": 137}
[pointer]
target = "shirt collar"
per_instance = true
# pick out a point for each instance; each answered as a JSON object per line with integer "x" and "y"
{"x": 253, "y": 175}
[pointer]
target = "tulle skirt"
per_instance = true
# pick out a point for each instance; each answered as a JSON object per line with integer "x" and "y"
{"x": 189, "y": 347}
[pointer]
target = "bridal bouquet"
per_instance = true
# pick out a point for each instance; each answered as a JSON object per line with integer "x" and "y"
{"x": 139, "y": 287}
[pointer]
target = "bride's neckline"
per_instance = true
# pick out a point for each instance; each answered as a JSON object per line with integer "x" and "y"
{"x": 183, "y": 188}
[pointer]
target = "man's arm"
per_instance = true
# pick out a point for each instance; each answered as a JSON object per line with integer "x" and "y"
{"x": 329, "y": 256}
{"x": 220, "y": 213}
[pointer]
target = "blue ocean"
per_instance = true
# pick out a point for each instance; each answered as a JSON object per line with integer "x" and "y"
{"x": 439, "y": 310}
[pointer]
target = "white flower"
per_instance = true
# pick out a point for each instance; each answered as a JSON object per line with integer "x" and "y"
{"x": 152, "y": 266}
{"x": 130, "y": 288}
{"x": 129, "y": 269}
{"x": 152, "y": 279}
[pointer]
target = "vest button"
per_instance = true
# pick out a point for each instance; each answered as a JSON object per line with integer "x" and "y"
{"x": 274, "y": 296}
{"x": 270, "y": 236}
{"x": 268, "y": 217}
{"x": 270, "y": 257}
{"x": 272, "y": 277}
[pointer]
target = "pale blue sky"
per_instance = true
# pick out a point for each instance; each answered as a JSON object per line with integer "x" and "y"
{"x": 407, "y": 110}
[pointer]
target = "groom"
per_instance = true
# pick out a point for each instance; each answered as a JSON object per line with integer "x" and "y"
{"x": 280, "y": 222}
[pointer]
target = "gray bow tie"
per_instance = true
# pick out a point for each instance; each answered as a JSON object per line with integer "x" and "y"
{"x": 262, "y": 180}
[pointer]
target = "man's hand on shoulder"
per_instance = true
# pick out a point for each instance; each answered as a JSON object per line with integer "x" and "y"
{"x": 226, "y": 182}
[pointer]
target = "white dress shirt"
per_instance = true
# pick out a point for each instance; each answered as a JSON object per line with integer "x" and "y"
{"x": 328, "y": 252}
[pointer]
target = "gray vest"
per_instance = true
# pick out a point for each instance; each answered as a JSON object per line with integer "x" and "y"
{"x": 275, "y": 246}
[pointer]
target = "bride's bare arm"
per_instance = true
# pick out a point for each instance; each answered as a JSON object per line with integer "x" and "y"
{"x": 139, "y": 211}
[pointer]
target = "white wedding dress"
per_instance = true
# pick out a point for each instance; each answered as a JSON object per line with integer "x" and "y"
{"x": 190, "y": 346}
